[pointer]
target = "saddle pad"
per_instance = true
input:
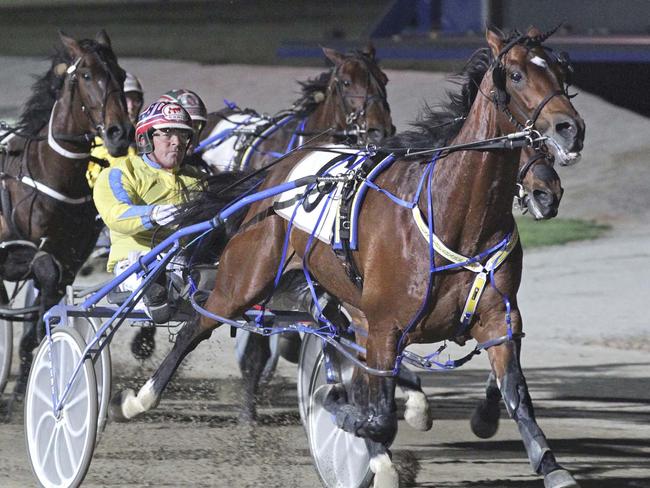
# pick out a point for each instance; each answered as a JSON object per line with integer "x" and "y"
{"x": 222, "y": 153}
{"x": 331, "y": 160}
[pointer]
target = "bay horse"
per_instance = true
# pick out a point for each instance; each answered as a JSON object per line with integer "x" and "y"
{"x": 48, "y": 222}
{"x": 405, "y": 296}
{"x": 346, "y": 103}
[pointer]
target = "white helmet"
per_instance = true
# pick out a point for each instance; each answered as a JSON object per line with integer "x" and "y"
{"x": 132, "y": 84}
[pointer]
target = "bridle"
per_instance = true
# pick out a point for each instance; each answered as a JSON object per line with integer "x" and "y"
{"x": 99, "y": 129}
{"x": 501, "y": 97}
{"x": 355, "y": 119}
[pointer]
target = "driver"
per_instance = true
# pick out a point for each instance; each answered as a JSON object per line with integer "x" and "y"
{"x": 139, "y": 193}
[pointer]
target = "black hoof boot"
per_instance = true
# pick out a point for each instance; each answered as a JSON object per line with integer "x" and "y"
{"x": 155, "y": 300}
{"x": 144, "y": 343}
{"x": 289, "y": 346}
{"x": 485, "y": 419}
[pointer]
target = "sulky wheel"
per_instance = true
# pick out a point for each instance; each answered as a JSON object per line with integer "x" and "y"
{"x": 6, "y": 342}
{"x": 342, "y": 460}
{"x": 60, "y": 447}
{"x": 310, "y": 349}
{"x": 87, "y": 327}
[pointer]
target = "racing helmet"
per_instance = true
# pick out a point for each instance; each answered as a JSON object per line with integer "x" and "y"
{"x": 132, "y": 84}
{"x": 160, "y": 115}
{"x": 189, "y": 100}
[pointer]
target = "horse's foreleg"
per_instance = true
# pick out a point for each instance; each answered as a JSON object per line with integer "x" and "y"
{"x": 417, "y": 411}
{"x": 485, "y": 419}
{"x": 511, "y": 381}
{"x": 127, "y": 404}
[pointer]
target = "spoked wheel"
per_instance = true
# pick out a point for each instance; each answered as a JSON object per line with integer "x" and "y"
{"x": 6, "y": 342}
{"x": 60, "y": 446}
{"x": 342, "y": 460}
{"x": 87, "y": 327}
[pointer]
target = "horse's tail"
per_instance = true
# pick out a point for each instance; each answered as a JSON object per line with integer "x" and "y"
{"x": 203, "y": 204}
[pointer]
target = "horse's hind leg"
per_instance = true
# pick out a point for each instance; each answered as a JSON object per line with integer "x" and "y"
{"x": 485, "y": 419}
{"x": 257, "y": 352}
{"x": 511, "y": 381}
{"x": 241, "y": 282}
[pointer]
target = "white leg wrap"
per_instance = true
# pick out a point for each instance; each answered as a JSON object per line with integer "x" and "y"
{"x": 385, "y": 472}
{"x": 418, "y": 413}
{"x": 135, "y": 405}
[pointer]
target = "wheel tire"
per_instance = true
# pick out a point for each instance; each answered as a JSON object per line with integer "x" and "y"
{"x": 60, "y": 449}
{"x": 342, "y": 460}
{"x": 6, "y": 343}
{"x": 88, "y": 327}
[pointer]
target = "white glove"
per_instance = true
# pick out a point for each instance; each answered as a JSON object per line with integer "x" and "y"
{"x": 163, "y": 214}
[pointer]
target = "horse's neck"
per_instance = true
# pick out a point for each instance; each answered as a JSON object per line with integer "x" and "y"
{"x": 326, "y": 116}
{"x": 50, "y": 167}
{"x": 473, "y": 190}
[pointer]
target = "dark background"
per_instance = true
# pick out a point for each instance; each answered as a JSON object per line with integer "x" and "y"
{"x": 609, "y": 41}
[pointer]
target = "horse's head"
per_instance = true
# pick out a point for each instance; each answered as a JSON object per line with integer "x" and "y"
{"x": 92, "y": 86}
{"x": 357, "y": 95}
{"x": 530, "y": 88}
{"x": 540, "y": 188}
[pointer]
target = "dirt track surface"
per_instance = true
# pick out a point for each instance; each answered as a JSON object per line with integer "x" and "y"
{"x": 585, "y": 354}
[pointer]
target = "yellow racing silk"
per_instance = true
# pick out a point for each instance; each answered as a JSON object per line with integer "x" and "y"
{"x": 126, "y": 194}
{"x": 99, "y": 151}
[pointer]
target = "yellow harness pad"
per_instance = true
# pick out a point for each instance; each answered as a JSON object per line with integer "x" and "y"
{"x": 482, "y": 272}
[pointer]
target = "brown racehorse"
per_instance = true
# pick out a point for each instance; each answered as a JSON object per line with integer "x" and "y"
{"x": 48, "y": 224}
{"x": 344, "y": 104}
{"x": 469, "y": 196}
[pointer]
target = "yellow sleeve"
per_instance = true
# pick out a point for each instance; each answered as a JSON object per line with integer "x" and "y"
{"x": 117, "y": 201}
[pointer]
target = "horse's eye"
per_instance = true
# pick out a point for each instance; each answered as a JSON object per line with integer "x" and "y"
{"x": 347, "y": 83}
{"x": 86, "y": 76}
{"x": 515, "y": 76}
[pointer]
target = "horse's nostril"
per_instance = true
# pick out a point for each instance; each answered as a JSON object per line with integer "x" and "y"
{"x": 375, "y": 135}
{"x": 544, "y": 198}
{"x": 566, "y": 129}
{"x": 114, "y": 132}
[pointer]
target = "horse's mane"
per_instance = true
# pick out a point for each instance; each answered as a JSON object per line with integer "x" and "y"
{"x": 313, "y": 91}
{"x": 437, "y": 126}
{"x": 47, "y": 88}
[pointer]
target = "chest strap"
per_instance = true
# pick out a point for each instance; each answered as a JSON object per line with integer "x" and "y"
{"x": 50, "y": 192}
{"x": 482, "y": 271}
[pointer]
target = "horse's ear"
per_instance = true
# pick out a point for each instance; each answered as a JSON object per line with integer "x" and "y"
{"x": 103, "y": 39}
{"x": 71, "y": 45}
{"x": 333, "y": 55}
{"x": 534, "y": 32}
{"x": 369, "y": 50}
{"x": 494, "y": 40}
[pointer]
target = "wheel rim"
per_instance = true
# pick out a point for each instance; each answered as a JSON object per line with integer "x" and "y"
{"x": 311, "y": 346}
{"x": 87, "y": 327}
{"x": 6, "y": 349}
{"x": 60, "y": 448}
{"x": 341, "y": 458}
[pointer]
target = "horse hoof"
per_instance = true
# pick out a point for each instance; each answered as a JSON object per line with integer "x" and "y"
{"x": 560, "y": 478}
{"x": 289, "y": 347}
{"x": 386, "y": 475}
{"x": 418, "y": 412}
{"x": 115, "y": 411}
{"x": 485, "y": 419}
{"x": 144, "y": 343}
